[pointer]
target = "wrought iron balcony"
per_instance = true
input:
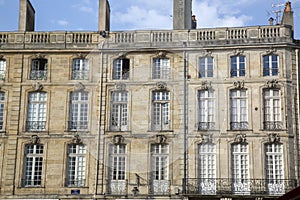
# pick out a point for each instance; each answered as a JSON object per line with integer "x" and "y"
{"x": 35, "y": 125}
{"x": 80, "y": 75}
{"x": 78, "y": 125}
{"x": 117, "y": 187}
{"x": 238, "y": 125}
{"x": 38, "y": 75}
{"x": 220, "y": 186}
{"x": 36, "y": 182}
{"x": 159, "y": 187}
{"x": 273, "y": 125}
{"x": 203, "y": 126}
{"x": 75, "y": 182}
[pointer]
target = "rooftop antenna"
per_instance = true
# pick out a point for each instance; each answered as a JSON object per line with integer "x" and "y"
{"x": 277, "y": 11}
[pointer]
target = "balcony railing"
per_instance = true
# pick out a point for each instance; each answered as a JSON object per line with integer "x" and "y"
{"x": 38, "y": 75}
{"x": 35, "y": 125}
{"x": 238, "y": 125}
{"x": 159, "y": 187}
{"x": 273, "y": 125}
{"x": 117, "y": 187}
{"x": 78, "y": 125}
{"x": 77, "y": 182}
{"x": 239, "y": 187}
{"x": 80, "y": 75}
{"x": 37, "y": 182}
{"x": 202, "y": 126}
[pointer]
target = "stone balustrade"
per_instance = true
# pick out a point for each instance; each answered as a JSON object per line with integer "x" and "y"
{"x": 144, "y": 38}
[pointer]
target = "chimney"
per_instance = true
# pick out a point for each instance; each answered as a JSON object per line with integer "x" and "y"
{"x": 288, "y": 16}
{"x": 182, "y": 14}
{"x": 104, "y": 16}
{"x": 26, "y": 16}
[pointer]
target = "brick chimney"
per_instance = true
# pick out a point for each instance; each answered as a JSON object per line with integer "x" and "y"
{"x": 182, "y": 14}
{"x": 26, "y": 16}
{"x": 104, "y": 16}
{"x": 288, "y": 16}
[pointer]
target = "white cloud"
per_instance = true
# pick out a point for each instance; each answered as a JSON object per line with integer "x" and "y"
{"x": 86, "y": 6}
{"x": 63, "y": 23}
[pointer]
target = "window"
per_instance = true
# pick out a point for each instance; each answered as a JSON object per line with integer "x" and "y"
{"x": 270, "y": 63}
{"x": 2, "y": 98}
{"x": 206, "y": 67}
{"x": 240, "y": 168}
{"x": 80, "y": 69}
{"x": 117, "y": 169}
{"x": 272, "y": 110}
{"x": 2, "y": 69}
{"x": 207, "y": 168}
{"x": 121, "y": 69}
{"x": 274, "y": 168}
{"x": 160, "y": 110}
{"x": 238, "y": 110}
{"x": 119, "y": 111}
{"x": 161, "y": 68}
{"x": 206, "y": 110}
{"x": 159, "y": 169}
{"x": 39, "y": 69}
{"x": 238, "y": 66}
{"x": 36, "y": 115}
{"x": 79, "y": 111}
{"x": 33, "y": 165}
{"x": 76, "y": 165}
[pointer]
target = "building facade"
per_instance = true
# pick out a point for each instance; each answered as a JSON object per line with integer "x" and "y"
{"x": 161, "y": 114}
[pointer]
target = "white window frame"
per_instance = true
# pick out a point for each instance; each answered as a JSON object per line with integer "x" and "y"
{"x": 119, "y": 69}
{"x": 37, "y": 111}
{"x": 33, "y": 166}
{"x": 80, "y": 69}
{"x": 274, "y": 168}
{"x": 2, "y": 107}
{"x": 238, "y": 109}
{"x": 206, "y": 109}
{"x": 207, "y": 168}
{"x": 79, "y": 110}
{"x": 160, "y": 183}
{"x": 2, "y": 69}
{"x": 272, "y": 109}
{"x": 270, "y": 66}
{"x": 239, "y": 64}
{"x": 38, "y": 70}
{"x": 76, "y": 165}
{"x": 119, "y": 111}
{"x": 160, "y": 110}
{"x": 161, "y": 68}
{"x": 206, "y": 67}
{"x": 117, "y": 169}
{"x": 240, "y": 168}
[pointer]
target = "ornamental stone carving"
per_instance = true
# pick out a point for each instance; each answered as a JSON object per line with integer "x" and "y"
{"x": 274, "y": 138}
{"x": 272, "y": 83}
{"x": 239, "y": 84}
{"x": 161, "y": 85}
{"x": 118, "y": 139}
{"x": 37, "y": 86}
{"x": 206, "y": 85}
{"x": 76, "y": 140}
{"x": 240, "y": 138}
{"x": 79, "y": 86}
{"x": 121, "y": 86}
{"x": 34, "y": 139}
{"x": 161, "y": 139}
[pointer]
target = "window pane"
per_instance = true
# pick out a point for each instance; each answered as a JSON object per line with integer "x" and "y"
{"x": 78, "y": 118}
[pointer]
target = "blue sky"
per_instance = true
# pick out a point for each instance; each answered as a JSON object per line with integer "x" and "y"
{"x": 79, "y": 15}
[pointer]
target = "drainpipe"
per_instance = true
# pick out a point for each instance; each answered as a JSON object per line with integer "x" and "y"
{"x": 184, "y": 119}
{"x": 298, "y": 113}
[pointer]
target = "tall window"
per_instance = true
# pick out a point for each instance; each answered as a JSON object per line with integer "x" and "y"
{"x": 2, "y": 98}
{"x": 159, "y": 168}
{"x": 33, "y": 165}
{"x": 2, "y": 69}
{"x": 76, "y": 165}
{"x": 117, "y": 169}
{"x": 274, "y": 168}
{"x": 207, "y": 168}
{"x": 39, "y": 69}
{"x": 238, "y": 109}
{"x": 121, "y": 69}
{"x": 36, "y": 114}
{"x": 79, "y": 111}
{"x": 272, "y": 110}
{"x": 238, "y": 66}
{"x": 240, "y": 168}
{"x": 206, "y": 108}
{"x": 119, "y": 111}
{"x": 271, "y": 64}
{"x": 206, "y": 67}
{"x": 80, "y": 69}
{"x": 160, "y": 110}
{"x": 161, "y": 68}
